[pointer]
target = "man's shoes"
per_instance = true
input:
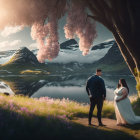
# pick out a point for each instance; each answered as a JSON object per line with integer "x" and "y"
{"x": 89, "y": 123}
{"x": 101, "y": 124}
{"x": 121, "y": 124}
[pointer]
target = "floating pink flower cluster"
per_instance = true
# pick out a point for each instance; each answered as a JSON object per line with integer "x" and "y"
{"x": 47, "y": 34}
{"x": 47, "y": 39}
{"x": 78, "y": 24}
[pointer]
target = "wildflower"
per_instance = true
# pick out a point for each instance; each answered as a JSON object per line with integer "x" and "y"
{"x": 24, "y": 109}
{"x": 11, "y": 106}
{"x": 63, "y": 117}
{"x": 42, "y": 99}
{"x": 50, "y": 101}
{"x": 1, "y": 97}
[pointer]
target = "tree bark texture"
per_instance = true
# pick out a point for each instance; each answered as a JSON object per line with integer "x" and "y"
{"x": 122, "y": 18}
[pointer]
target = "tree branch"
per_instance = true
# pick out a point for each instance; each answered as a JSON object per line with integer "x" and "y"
{"x": 126, "y": 55}
{"x": 94, "y": 8}
{"x": 101, "y": 13}
{"x": 105, "y": 23}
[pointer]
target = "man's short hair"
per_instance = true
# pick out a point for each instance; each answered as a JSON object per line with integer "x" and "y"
{"x": 98, "y": 70}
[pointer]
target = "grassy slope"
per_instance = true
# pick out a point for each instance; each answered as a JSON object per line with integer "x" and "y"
{"x": 25, "y": 118}
{"x": 17, "y": 69}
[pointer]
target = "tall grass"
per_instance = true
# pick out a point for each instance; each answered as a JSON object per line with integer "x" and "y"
{"x": 47, "y": 106}
{"x": 45, "y": 118}
{"x": 66, "y": 108}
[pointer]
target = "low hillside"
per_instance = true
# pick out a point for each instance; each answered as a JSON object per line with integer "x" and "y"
{"x": 23, "y": 56}
{"x": 21, "y": 61}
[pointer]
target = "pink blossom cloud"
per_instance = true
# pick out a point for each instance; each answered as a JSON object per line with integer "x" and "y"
{"x": 43, "y": 16}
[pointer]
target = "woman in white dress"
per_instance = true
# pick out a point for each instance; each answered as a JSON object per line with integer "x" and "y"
{"x": 123, "y": 109}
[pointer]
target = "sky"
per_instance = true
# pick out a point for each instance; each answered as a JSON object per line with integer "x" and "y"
{"x": 12, "y": 38}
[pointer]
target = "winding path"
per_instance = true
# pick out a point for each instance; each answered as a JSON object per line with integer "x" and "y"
{"x": 110, "y": 124}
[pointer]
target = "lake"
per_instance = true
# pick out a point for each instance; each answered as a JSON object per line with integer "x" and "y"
{"x": 56, "y": 86}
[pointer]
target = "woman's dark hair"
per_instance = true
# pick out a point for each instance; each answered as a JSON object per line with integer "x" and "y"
{"x": 124, "y": 84}
{"x": 118, "y": 86}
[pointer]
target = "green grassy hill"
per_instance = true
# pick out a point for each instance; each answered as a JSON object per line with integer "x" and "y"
{"x": 23, "y": 61}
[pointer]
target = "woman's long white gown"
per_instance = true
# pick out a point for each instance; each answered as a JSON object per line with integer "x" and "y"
{"x": 123, "y": 109}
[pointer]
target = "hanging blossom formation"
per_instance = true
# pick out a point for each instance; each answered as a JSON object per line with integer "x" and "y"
{"x": 78, "y": 24}
{"x": 46, "y": 34}
{"x": 43, "y": 16}
{"x": 47, "y": 39}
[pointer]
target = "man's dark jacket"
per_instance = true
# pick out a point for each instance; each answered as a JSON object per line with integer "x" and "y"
{"x": 95, "y": 86}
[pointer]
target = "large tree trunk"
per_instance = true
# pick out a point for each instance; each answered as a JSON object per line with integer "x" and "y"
{"x": 126, "y": 23}
{"x": 122, "y": 18}
{"x": 130, "y": 59}
{"x": 126, "y": 55}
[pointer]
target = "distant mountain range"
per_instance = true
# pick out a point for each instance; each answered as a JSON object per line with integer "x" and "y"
{"x": 113, "y": 56}
{"x": 103, "y": 45}
{"x": 70, "y": 44}
{"x": 113, "y": 61}
{"x": 69, "y": 62}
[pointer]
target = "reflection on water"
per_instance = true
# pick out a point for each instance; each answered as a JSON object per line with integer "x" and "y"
{"x": 73, "y": 93}
{"x": 112, "y": 81}
{"x": 58, "y": 86}
{"x": 17, "y": 85}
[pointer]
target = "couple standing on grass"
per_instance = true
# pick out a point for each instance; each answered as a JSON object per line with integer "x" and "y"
{"x": 96, "y": 90}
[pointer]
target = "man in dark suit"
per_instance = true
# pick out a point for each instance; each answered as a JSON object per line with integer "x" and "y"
{"x": 96, "y": 90}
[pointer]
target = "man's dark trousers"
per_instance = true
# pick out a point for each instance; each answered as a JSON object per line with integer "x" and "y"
{"x": 93, "y": 102}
